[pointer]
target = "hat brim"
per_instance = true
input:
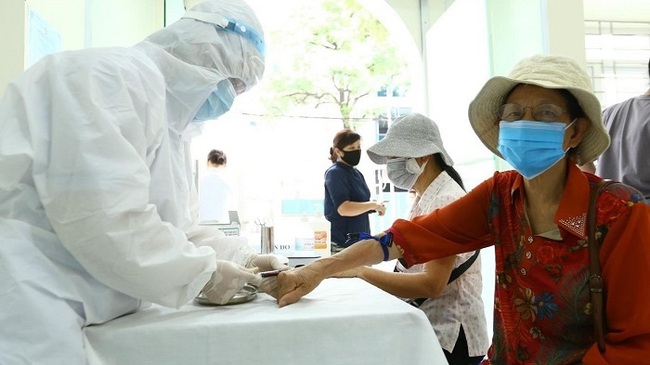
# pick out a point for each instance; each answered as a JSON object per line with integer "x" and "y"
{"x": 485, "y": 121}
{"x": 408, "y": 148}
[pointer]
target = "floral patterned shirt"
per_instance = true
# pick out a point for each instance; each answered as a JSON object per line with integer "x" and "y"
{"x": 542, "y": 310}
{"x": 460, "y": 303}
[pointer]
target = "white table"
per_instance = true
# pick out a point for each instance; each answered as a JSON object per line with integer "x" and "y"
{"x": 342, "y": 322}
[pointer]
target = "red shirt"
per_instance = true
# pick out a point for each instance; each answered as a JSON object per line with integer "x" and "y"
{"x": 542, "y": 310}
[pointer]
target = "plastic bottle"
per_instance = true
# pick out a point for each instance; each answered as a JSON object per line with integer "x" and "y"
{"x": 304, "y": 242}
{"x": 322, "y": 240}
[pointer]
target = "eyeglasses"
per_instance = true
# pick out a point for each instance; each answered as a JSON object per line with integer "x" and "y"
{"x": 543, "y": 112}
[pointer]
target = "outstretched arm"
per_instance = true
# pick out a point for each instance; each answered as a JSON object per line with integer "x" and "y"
{"x": 429, "y": 283}
{"x": 296, "y": 283}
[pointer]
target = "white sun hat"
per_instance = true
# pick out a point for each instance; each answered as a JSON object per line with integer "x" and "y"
{"x": 551, "y": 72}
{"x": 413, "y": 135}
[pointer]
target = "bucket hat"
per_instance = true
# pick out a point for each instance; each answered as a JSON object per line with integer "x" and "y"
{"x": 551, "y": 72}
{"x": 413, "y": 135}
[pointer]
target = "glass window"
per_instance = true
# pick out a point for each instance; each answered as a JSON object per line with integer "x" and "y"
{"x": 617, "y": 59}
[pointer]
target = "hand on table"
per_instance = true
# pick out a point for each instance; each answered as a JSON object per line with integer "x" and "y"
{"x": 296, "y": 283}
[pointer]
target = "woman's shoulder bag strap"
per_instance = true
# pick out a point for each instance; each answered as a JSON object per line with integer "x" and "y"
{"x": 595, "y": 278}
{"x": 417, "y": 302}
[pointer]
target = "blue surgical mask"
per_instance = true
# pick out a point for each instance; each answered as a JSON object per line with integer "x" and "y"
{"x": 532, "y": 147}
{"x": 217, "y": 103}
{"x": 403, "y": 172}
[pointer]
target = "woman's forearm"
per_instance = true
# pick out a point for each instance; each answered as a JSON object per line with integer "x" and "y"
{"x": 404, "y": 285}
{"x": 362, "y": 253}
{"x": 428, "y": 283}
{"x": 351, "y": 209}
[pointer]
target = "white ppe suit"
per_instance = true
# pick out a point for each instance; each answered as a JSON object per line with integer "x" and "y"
{"x": 97, "y": 211}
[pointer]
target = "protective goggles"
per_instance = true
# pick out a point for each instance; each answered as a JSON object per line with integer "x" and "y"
{"x": 230, "y": 25}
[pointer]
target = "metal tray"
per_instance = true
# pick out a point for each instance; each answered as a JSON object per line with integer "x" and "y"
{"x": 246, "y": 294}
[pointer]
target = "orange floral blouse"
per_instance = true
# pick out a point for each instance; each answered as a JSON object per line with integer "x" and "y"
{"x": 542, "y": 310}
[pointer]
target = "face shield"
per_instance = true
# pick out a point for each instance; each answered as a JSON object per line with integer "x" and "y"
{"x": 230, "y": 25}
{"x": 224, "y": 36}
{"x": 253, "y": 64}
{"x": 256, "y": 66}
{"x": 238, "y": 20}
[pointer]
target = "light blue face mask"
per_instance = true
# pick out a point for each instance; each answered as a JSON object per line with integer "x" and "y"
{"x": 218, "y": 102}
{"x": 532, "y": 147}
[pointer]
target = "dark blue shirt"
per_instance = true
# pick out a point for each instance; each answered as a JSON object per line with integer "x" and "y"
{"x": 345, "y": 183}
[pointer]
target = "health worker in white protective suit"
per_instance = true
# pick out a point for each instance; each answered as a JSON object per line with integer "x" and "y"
{"x": 97, "y": 211}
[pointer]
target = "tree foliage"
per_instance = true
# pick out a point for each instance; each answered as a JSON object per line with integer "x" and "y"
{"x": 334, "y": 55}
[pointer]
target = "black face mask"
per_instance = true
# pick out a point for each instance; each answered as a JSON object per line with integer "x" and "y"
{"x": 351, "y": 157}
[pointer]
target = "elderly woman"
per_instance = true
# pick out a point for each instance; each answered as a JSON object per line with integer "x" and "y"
{"x": 448, "y": 290}
{"x": 543, "y": 119}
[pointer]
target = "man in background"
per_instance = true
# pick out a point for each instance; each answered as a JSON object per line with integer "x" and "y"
{"x": 626, "y": 159}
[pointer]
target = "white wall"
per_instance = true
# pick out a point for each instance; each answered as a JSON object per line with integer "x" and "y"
{"x": 515, "y": 30}
{"x": 458, "y": 56}
{"x": 99, "y": 23}
{"x": 458, "y": 67}
{"x": 80, "y": 24}
{"x": 12, "y": 42}
{"x": 124, "y": 22}
{"x": 565, "y": 35}
{"x": 68, "y": 17}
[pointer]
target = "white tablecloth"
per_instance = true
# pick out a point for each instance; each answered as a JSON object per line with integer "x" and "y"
{"x": 342, "y": 322}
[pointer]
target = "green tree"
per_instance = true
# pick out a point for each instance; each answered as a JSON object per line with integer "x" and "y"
{"x": 334, "y": 55}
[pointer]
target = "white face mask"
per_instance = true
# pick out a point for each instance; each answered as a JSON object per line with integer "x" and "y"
{"x": 404, "y": 172}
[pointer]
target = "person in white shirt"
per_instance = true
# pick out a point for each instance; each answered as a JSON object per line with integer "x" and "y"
{"x": 217, "y": 190}
{"x": 448, "y": 290}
